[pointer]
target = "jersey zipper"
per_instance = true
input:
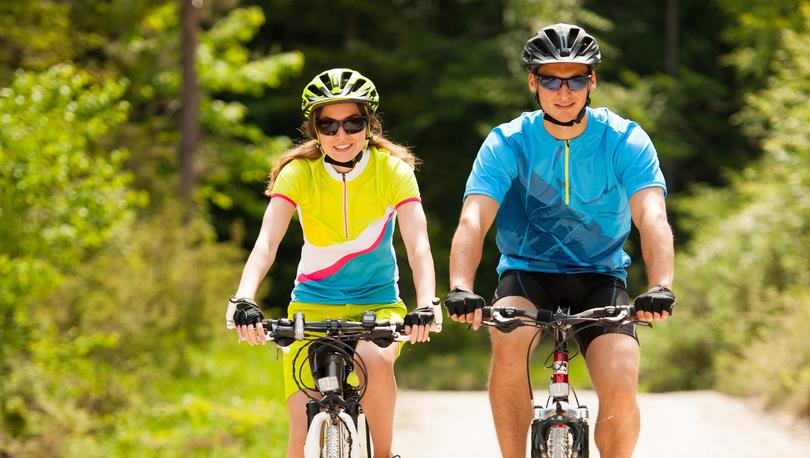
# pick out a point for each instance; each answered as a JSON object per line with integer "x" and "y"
{"x": 566, "y": 174}
{"x": 345, "y": 207}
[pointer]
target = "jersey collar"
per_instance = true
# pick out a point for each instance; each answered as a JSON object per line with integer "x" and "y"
{"x": 353, "y": 173}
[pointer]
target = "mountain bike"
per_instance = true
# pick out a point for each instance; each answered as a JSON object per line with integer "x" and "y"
{"x": 332, "y": 420}
{"x": 559, "y": 429}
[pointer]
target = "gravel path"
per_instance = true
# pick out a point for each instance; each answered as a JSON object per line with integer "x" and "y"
{"x": 683, "y": 424}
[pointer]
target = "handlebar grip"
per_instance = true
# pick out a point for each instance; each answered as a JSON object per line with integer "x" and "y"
{"x": 487, "y": 311}
{"x": 438, "y": 318}
{"x": 298, "y": 318}
{"x": 544, "y": 316}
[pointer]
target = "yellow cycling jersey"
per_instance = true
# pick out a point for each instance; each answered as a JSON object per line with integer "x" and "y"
{"x": 348, "y": 223}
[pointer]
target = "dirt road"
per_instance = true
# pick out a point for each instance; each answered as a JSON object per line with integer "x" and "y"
{"x": 694, "y": 424}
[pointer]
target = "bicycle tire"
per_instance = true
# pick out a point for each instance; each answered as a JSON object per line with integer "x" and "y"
{"x": 336, "y": 440}
{"x": 559, "y": 441}
{"x": 536, "y": 444}
{"x": 586, "y": 442}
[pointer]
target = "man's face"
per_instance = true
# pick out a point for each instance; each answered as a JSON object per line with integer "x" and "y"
{"x": 565, "y": 103}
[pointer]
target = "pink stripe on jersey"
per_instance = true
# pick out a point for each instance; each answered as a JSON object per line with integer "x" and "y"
{"x": 327, "y": 271}
{"x": 410, "y": 199}
{"x": 284, "y": 197}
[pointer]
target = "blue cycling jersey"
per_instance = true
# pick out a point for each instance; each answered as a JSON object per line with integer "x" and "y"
{"x": 564, "y": 205}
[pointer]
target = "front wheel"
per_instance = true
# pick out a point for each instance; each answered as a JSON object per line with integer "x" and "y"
{"x": 559, "y": 441}
{"x": 337, "y": 440}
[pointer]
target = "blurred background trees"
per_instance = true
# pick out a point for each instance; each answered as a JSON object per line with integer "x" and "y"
{"x": 111, "y": 286}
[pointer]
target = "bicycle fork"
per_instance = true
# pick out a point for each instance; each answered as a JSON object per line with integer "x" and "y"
{"x": 560, "y": 413}
{"x": 312, "y": 447}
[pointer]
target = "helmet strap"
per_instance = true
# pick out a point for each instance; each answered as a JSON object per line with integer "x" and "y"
{"x": 553, "y": 120}
{"x": 570, "y": 123}
{"x": 349, "y": 164}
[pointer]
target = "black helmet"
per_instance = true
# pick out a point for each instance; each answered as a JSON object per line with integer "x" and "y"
{"x": 560, "y": 43}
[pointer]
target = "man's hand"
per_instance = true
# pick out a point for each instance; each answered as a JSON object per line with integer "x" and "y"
{"x": 417, "y": 323}
{"x": 465, "y": 306}
{"x": 656, "y": 304}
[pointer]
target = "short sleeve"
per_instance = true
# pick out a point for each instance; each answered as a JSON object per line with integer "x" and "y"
{"x": 494, "y": 168}
{"x": 404, "y": 187}
{"x": 290, "y": 183}
{"x": 637, "y": 163}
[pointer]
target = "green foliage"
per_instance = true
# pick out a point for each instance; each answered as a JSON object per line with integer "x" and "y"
{"x": 58, "y": 199}
{"x": 116, "y": 331}
{"x": 755, "y": 31}
{"x": 744, "y": 276}
{"x": 234, "y": 155}
{"x": 61, "y": 196}
{"x": 215, "y": 409}
{"x": 37, "y": 35}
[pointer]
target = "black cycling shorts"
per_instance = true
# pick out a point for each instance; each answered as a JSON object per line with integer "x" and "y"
{"x": 578, "y": 292}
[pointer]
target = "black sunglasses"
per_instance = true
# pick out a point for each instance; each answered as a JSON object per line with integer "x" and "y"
{"x": 351, "y": 125}
{"x": 575, "y": 83}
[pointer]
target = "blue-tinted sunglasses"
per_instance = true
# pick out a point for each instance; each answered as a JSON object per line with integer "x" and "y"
{"x": 575, "y": 83}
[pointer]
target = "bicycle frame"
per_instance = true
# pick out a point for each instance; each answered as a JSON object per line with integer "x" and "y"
{"x": 561, "y": 412}
{"x": 558, "y": 421}
{"x": 335, "y": 415}
{"x": 337, "y": 405}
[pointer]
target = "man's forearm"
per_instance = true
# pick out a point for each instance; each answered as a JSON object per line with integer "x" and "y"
{"x": 658, "y": 251}
{"x": 465, "y": 256}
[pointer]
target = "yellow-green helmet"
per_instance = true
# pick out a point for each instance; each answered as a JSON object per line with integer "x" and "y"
{"x": 339, "y": 85}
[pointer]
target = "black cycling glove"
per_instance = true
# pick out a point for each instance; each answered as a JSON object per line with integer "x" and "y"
{"x": 658, "y": 299}
{"x": 420, "y": 316}
{"x": 247, "y": 312}
{"x": 462, "y": 302}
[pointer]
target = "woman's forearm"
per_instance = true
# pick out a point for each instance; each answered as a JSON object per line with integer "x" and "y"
{"x": 424, "y": 276}
{"x": 258, "y": 264}
{"x": 274, "y": 226}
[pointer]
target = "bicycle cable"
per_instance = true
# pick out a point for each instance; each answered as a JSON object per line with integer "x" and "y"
{"x": 346, "y": 350}
{"x": 529, "y": 353}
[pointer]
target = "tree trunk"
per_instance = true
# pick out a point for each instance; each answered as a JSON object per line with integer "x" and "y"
{"x": 189, "y": 100}
{"x": 671, "y": 63}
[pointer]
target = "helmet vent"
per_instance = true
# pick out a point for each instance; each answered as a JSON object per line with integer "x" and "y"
{"x": 554, "y": 38}
{"x": 357, "y": 85}
{"x": 561, "y": 43}
{"x": 344, "y": 78}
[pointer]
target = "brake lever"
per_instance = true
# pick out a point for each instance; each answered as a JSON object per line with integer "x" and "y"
{"x": 641, "y": 323}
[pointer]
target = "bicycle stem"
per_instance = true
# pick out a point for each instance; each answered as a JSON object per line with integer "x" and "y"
{"x": 559, "y": 388}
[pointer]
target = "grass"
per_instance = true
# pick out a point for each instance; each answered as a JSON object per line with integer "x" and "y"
{"x": 231, "y": 403}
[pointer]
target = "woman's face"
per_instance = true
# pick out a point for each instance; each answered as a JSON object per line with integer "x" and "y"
{"x": 342, "y": 146}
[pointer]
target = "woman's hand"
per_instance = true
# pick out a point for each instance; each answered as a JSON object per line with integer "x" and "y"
{"x": 247, "y": 318}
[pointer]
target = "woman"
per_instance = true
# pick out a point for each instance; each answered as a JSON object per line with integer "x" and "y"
{"x": 348, "y": 184}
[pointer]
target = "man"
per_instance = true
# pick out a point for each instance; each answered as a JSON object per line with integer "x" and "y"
{"x": 564, "y": 183}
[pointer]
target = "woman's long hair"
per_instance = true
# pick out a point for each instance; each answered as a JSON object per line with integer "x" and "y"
{"x": 308, "y": 148}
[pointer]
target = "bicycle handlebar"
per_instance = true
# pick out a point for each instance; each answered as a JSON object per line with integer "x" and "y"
{"x": 285, "y": 330}
{"x": 509, "y": 316}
